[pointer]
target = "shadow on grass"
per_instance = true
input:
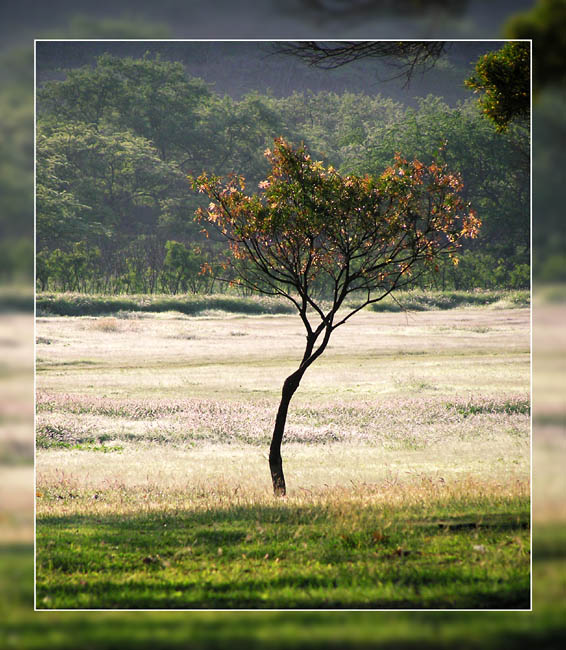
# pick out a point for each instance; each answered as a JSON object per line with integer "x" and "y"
{"x": 544, "y": 628}
{"x": 185, "y": 595}
{"x": 295, "y": 515}
{"x": 271, "y": 557}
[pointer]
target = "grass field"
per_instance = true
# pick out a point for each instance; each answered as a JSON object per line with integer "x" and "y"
{"x": 407, "y": 461}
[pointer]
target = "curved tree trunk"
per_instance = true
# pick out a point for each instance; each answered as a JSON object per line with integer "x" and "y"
{"x": 289, "y": 388}
{"x": 275, "y": 461}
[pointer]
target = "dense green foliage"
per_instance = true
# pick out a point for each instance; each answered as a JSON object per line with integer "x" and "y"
{"x": 16, "y": 164}
{"x": 116, "y": 141}
{"x": 549, "y": 244}
{"x": 504, "y": 77}
{"x": 544, "y": 24}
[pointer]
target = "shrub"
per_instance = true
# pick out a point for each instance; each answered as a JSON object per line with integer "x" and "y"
{"x": 106, "y": 325}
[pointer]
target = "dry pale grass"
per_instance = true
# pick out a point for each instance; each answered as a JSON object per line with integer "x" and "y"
{"x": 16, "y": 428}
{"x": 223, "y": 478}
{"x": 549, "y": 456}
{"x": 16, "y": 504}
{"x": 281, "y": 337}
{"x": 16, "y": 338}
{"x": 549, "y": 360}
{"x": 549, "y": 412}
{"x": 375, "y": 356}
{"x": 411, "y": 423}
{"x": 228, "y": 476}
{"x": 106, "y": 325}
{"x": 397, "y": 401}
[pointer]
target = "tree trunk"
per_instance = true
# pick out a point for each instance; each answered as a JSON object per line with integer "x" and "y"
{"x": 289, "y": 387}
{"x": 275, "y": 461}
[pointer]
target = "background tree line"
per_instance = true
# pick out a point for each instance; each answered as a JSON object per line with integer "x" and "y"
{"x": 115, "y": 142}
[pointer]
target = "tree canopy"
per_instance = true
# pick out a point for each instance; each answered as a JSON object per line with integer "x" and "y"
{"x": 504, "y": 79}
{"x": 545, "y": 24}
{"x": 310, "y": 226}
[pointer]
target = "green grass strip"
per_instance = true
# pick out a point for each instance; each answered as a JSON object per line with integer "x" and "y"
{"x": 447, "y": 555}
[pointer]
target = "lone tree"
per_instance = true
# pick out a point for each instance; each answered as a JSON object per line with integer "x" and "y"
{"x": 312, "y": 232}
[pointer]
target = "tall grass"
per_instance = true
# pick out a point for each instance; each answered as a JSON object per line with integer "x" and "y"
{"x": 430, "y": 300}
{"x": 79, "y": 304}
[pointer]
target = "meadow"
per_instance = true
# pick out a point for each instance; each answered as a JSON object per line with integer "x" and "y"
{"x": 407, "y": 459}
